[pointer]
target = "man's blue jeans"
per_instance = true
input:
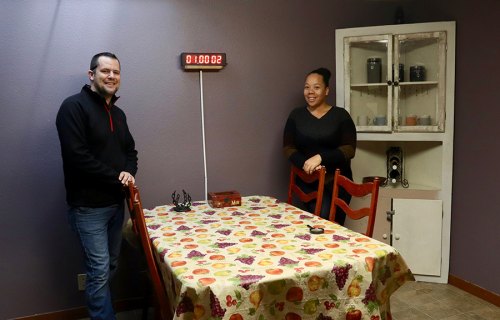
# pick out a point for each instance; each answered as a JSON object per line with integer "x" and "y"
{"x": 100, "y": 234}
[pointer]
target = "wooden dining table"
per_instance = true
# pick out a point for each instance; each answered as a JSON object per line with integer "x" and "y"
{"x": 260, "y": 261}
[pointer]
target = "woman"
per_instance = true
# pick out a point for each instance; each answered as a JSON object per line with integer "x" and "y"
{"x": 320, "y": 135}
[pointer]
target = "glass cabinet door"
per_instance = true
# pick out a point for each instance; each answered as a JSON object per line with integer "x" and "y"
{"x": 396, "y": 82}
{"x": 419, "y": 82}
{"x": 368, "y": 78}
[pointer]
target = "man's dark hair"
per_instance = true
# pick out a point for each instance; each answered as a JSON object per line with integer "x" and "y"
{"x": 94, "y": 63}
{"x": 325, "y": 73}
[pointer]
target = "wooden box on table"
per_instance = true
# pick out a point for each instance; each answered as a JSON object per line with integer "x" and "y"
{"x": 224, "y": 199}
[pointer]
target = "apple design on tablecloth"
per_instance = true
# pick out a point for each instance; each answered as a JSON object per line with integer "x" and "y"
{"x": 353, "y": 314}
{"x": 292, "y": 316}
{"x": 294, "y": 294}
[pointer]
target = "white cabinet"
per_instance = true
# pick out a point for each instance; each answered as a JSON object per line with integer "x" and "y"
{"x": 415, "y": 230}
{"x": 407, "y": 109}
{"x": 416, "y": 234}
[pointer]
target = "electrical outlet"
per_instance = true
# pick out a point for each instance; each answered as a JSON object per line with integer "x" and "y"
{"x": 80, "y": 278}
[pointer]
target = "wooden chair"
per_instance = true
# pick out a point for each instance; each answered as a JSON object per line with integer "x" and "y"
{"x": 293, "y": 189}
{"x": 163, "y": 309}
{"x": 355, "y": 190}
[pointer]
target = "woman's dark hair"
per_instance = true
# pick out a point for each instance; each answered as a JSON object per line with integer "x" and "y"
{"x": 94, "y": 63}
{"x": 325, "y": 73}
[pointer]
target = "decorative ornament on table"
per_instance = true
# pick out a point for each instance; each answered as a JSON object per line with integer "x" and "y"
{"x": 185, "y": 205}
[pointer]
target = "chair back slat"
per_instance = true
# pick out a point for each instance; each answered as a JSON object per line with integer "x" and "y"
{"x": 293, "y": 188}
{"x": 355, "y": 190}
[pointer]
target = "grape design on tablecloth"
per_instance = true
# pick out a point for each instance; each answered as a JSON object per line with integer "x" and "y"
{"x": 256, "y": 233}
{"x": 303, "y": 236}
{"x": 339, "y": 238}
{"x": 311, "y": 250}
{"x": 186, "y": 305}
{"x": 222, "y": 245}
{"x": 163, "y": 253}
{"x": 285, "y": 261}
{"x": 215, "y": 306}
{"x": 370, "y": 299}
{"x": 370, "y": 295}
{"x": 341, "y": 275}
{"x": 195, "y": 254}
{"x": 225, "y": 232}
{"x": 209, "y": 221}
{"x": 280, "y": 226}
{"x": 323, "y": 317}
{"x": 246, "y": 259}
{"x": 247, "y": 280}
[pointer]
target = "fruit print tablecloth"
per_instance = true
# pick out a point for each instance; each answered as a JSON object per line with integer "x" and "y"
{"x": 259, "y": 261}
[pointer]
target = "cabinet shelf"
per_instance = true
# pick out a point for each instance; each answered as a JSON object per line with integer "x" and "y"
{"x": 413, "y": 83}
{"x": 400, "y": 192}
{"x": 401, "y": 136}
{"x": 361, "y": 85}
{"x": 384, "y": 84}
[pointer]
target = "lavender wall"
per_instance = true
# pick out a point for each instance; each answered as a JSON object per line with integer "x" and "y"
{"x": 45, "y": 50}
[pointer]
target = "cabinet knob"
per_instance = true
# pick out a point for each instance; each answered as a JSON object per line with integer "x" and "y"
{"x": 389, "y": 82}
{"x": 396, "y": 236}
{"x": 396, "y": 83}
{"x": 384, "y": 236}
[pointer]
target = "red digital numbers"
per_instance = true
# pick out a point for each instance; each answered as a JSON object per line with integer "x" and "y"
{"x": 194, "y": 61}
{"x": 203, "y": 59}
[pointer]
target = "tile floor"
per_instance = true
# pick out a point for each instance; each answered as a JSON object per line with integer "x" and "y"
{"x": 425, "y": 301}
{"x": 418, "y": 301}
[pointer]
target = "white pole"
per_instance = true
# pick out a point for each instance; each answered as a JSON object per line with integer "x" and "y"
{"x": 203, "y": 136}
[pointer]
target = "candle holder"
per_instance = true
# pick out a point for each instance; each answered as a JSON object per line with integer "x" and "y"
{"x": 185, "y": 205}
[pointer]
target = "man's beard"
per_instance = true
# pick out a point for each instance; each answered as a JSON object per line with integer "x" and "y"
{"x": 103, "y": 91}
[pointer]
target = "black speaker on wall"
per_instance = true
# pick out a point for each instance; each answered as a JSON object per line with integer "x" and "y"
{"x": 395, "y": 168}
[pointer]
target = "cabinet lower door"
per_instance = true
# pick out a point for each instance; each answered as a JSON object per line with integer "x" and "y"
{"x": 416, "y": 234}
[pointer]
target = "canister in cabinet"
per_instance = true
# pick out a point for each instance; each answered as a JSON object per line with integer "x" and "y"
{"x": 374, "y": 70}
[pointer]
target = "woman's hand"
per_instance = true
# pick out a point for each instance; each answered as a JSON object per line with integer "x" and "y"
{"x": 126, "y": 178}
{"x": 312, "y": 164}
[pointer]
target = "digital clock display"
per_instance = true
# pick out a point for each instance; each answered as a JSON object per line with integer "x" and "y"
{"x": 201, "y": 61}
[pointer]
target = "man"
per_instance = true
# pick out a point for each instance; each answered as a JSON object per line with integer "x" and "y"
{"x": 99, "y": 159}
